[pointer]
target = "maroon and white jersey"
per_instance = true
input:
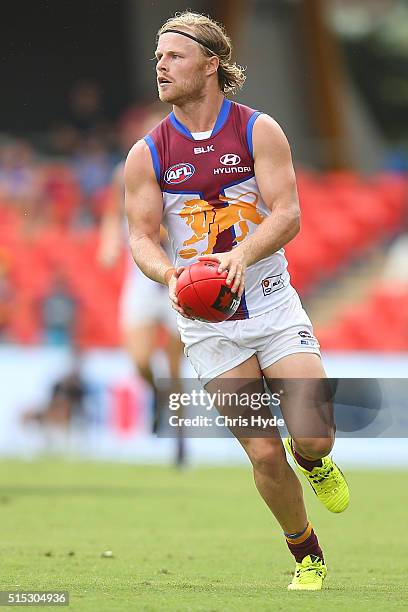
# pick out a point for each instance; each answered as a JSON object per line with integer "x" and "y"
{"x": 212, "y": 201}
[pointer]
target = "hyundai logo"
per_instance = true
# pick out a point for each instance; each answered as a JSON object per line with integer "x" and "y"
{"x": 230, "y": 159}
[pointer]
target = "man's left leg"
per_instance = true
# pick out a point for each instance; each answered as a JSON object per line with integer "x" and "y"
{"x": 308, "y": 414}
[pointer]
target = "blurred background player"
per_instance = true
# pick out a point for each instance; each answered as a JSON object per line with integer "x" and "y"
{"x": 65, "y": 405}
{"x": 145, "y": 313}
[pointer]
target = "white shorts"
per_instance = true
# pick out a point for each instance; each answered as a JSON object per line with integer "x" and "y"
{"x": 215, "y": 348}
{"x": 144, "y": 301}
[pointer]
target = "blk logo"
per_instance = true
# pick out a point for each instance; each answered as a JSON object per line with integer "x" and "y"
{"x": 179, "y": 173}
{"x": 206, "y": 149}
{"x": 230, "y": 159}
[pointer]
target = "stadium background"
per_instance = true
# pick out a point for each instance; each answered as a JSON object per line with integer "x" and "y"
{"x": 334, "y": 74}
{"x": 75, "y": 76}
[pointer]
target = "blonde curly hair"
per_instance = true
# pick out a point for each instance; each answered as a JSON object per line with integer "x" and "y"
{"x": 215, "y": 41}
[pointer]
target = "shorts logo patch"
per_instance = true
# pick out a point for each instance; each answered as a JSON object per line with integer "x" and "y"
{"x": 306, "y": 338}
{"x": 272, "y": 284}
{"x": 179, "y": 173}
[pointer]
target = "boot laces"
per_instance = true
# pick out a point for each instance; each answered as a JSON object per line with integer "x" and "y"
{"x": 324, "y": 474}
{"x": 313, "y": 567}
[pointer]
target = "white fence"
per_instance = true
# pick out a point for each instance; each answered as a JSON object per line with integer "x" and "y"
{"x": 118, "y": 423}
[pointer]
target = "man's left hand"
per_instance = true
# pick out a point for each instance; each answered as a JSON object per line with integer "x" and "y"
{"x": 235, "y": 263}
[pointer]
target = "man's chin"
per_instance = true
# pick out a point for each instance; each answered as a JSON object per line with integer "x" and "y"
{"x": 166, "y": 96}
{"x": 173, "y": 97}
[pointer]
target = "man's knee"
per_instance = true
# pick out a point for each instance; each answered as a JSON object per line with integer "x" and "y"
{"x": 267, "y": 455}
{"x": 315, "y": 448}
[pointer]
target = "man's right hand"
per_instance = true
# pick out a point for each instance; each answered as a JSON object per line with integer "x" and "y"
{"x": 172, "y": 292}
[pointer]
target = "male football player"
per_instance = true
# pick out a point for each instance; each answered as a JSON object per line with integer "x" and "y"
{"x": 210, "y": 153}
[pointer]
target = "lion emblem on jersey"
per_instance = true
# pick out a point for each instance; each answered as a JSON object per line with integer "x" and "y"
{"x": 205, "y": 221}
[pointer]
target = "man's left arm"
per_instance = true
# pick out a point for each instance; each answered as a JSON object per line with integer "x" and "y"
{"x": 276, "y": 180}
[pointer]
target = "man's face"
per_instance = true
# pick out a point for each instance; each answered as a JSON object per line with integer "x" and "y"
{"x": 180, "y": 69}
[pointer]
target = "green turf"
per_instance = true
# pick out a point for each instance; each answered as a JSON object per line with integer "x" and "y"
{"x": 196, "y": 540}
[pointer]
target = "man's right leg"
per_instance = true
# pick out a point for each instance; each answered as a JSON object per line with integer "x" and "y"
{"x": 275, "y": 480}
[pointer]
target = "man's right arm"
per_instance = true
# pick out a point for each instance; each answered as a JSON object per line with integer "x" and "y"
{"x": 144, "y": 209}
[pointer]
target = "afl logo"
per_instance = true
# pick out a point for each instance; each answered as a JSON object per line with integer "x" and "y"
{"x": 179, "y": 173}
{"x": 230, "y": 159}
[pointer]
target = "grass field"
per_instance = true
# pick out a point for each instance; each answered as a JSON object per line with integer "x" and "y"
{"x": 193, "y": 540}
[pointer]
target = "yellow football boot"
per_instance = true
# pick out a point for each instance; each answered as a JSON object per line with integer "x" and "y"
{"x": 309, "y": 575}
{"x": 327, "y": 482}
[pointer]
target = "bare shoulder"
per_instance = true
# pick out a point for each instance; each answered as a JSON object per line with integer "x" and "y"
{"x": 138, "y": 165}
{"x": 267, "y": 132}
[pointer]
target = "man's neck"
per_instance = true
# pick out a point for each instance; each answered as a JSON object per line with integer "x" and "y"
{"x": 200, "y": 115}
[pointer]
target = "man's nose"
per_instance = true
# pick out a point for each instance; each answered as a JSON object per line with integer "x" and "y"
{"x": 161, "y": 65}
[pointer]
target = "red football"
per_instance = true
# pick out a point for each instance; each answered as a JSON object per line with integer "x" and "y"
{"x": 203, "y": 294}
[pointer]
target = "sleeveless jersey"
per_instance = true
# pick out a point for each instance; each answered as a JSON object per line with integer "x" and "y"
{"x": 211, "y": 200}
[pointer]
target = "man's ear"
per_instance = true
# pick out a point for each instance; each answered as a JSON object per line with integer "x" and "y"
{"x": 212, "y": 65}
